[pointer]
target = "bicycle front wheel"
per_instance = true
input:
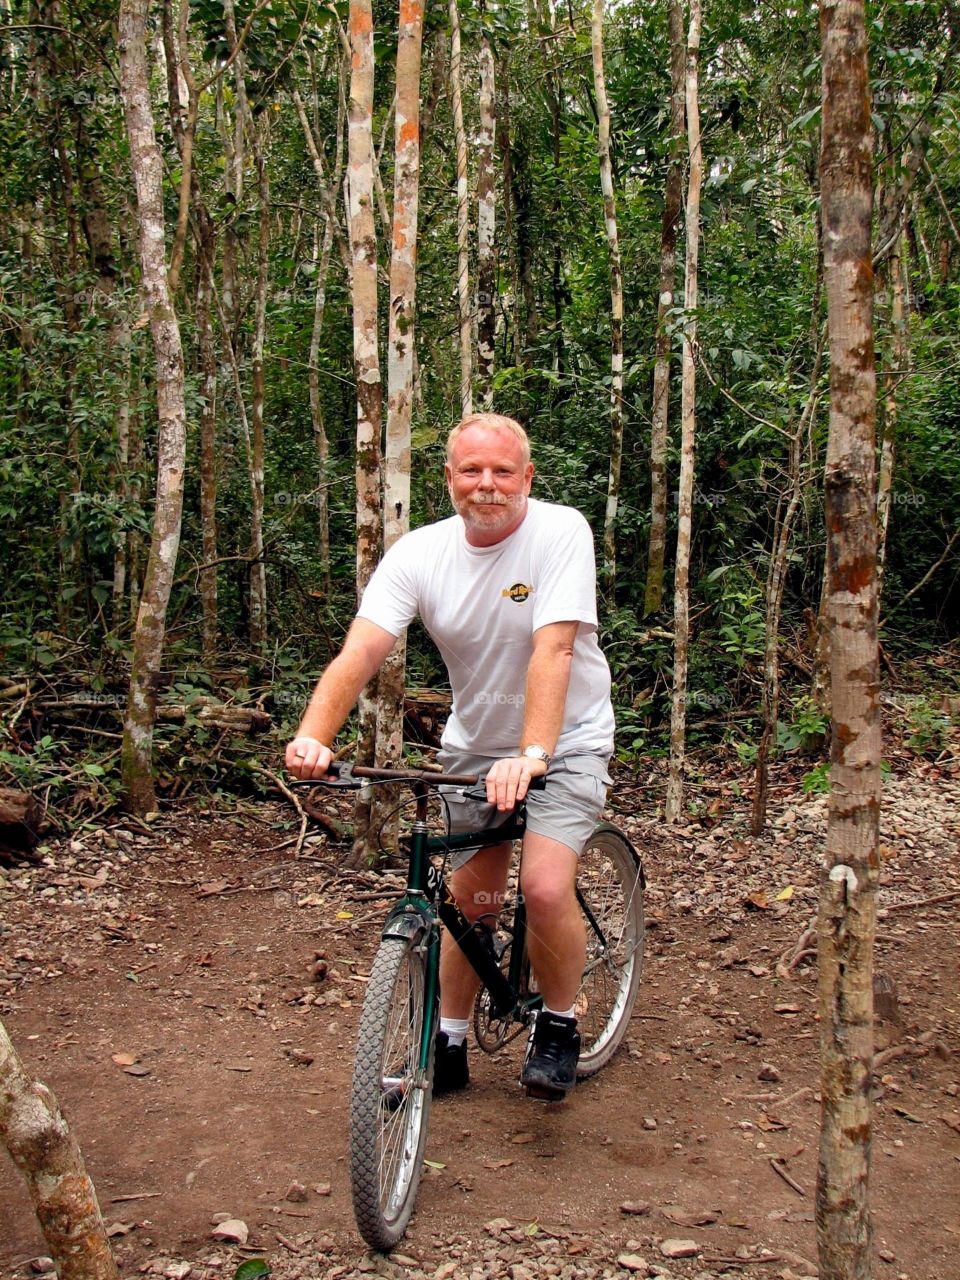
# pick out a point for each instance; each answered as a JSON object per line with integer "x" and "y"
{"x": 390, "y": 1102}
{"x": 610, "y": 890}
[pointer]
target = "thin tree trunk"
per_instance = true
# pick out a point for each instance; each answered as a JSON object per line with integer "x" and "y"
{"x": 616, "y": 305}
{"x": 208, "y": 453}
{"x": 897, "y": 363}
{"x": 400, "y": 371}
{"x": 137, "y": 751}
{"x": 787, "y": 508}
{"x": 366, "y": 360}
{"x": 672, "y": 202}
{"x": 258, "y": 571}
{"x": 486, "y": 230}
{"x": 681, "y": 598}
{"x": 463, "y": 220}
{"x": 848, "y": 888}
{"x": 35, "y": 1133}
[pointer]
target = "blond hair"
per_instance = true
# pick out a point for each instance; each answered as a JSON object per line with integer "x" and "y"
{"x": 490, "y": 422}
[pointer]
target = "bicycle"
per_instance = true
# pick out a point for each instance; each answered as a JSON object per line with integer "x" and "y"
{"x": 393, "y": 1074}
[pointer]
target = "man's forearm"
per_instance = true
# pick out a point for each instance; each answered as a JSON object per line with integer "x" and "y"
{"x": 361, "y": 657}
{"x": 548, "y": 677}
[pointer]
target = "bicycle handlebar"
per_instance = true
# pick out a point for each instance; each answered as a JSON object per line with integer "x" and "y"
{"x": 344, "y": 774}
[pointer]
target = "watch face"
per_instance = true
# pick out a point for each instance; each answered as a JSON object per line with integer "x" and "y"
{"x": 537, "y": 753}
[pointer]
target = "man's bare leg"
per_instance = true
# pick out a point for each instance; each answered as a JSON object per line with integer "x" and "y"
{"x": 479, "y": 888}
{"x": 556, "y": 934}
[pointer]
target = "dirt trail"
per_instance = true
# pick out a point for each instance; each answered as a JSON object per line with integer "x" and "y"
{"x": 189, "y": 948}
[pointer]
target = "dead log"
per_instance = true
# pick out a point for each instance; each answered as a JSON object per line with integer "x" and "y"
{"x": 210, "y": 712}
{"x": 20, "y": 821}
{"x": 34, "y": 1131}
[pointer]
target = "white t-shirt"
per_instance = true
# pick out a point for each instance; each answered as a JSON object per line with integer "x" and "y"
{"x": 481, "y": 606}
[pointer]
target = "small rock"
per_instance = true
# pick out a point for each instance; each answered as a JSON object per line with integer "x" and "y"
{"x": 43, "y": 1266}
{"x": 650, "y": 1123}
{"x": 635, "y": 1207}
{"x": 886, "y": 1255}
{"x": 296, "y": 1193}
{"x": 679, "y": 1248}
{"x": 323, "y": 1189}
{"x": 231, "y": 1231}
{"x": 769, "y": 1072}
{"x": 403, "y": 1260}
{"x": 496, "y": 1225}
{"x": 446, "y": 1271}
{"x": 178, "y": 1271}
{"x": 633, "y": 1262}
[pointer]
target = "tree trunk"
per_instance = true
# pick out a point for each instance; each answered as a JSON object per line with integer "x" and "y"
{"x": 366, "y": 361}
{"x": 258, "y": 570}
{"x": 463, "y": 220}
{"x": 897, "y": 364}
{"x": 40, "y": 1144}
{"x": 672, "y": 201}
{"x": 400, "y": 371}
{"x": 848, "y": 888}
{"x": 148, "y": 642}
{"x": 681, "y": 598}
{"x": 208, "y": 452}
{"x": 616, "y": 305}
{"x": 486, "y": 229}
{"x": 787, "y": 508}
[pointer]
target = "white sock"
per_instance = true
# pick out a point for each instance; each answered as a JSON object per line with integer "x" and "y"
{"x": 455, "y": 1029}
{"x": 561, "y": 1013}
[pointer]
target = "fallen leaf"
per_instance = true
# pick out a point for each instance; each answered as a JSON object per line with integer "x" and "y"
{"x": 434, "y": 1164}
{"x": 237, "y": 1066}
{"x": 633, "y": 1262}
{"x": 520, "y": 1138}
{"x": 785, "y": 894}
{"x": 496, "y": 1225}
{"x": 497, "y": 1164}
{"x": 758, "y": 900}
{"x": 120, "y": 1229}
{"x": 769, "y": 1124}
{"x": 123, "y": 1059}
{"x": 787, "y": 1008}
{"x": 344, "y": 915}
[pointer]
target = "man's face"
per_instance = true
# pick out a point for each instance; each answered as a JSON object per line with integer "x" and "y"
{"x": 489, "y": 483}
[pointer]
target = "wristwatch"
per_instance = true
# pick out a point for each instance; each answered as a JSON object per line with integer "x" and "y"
{"x": 537, "y": 753}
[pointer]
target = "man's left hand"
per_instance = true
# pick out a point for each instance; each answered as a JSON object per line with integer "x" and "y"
{"x": 509, "y": 780}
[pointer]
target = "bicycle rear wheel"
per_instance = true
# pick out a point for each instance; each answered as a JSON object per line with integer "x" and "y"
{"x": 390, "y": 1101}
{"x": 610, "y": 889}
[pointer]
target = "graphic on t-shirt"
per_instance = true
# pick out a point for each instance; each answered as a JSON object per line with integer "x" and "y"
{"x": 519, "y": 593}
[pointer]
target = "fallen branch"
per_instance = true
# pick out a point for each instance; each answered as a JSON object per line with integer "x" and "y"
{"x": 778, "y": 1169}
{"x": 285, "y": 790}
{"x": 936, "y": 900}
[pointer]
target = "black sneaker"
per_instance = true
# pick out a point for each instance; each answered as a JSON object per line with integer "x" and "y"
{"x": 550, "y": 1069}
{"x": 450, "y": 1069}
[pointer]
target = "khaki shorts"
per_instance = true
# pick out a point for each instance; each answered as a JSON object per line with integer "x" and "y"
{"x": 566, "y": 810}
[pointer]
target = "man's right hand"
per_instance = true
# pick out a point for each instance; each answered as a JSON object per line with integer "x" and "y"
{"x": 307, "y": 758}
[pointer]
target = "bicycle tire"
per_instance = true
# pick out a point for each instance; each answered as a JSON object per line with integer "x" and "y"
{"x": 389, "y": 1106}
{"x": 610, "y": 882}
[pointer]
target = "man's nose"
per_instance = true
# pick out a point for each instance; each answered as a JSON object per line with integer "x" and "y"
{"x": 486, "y": 478}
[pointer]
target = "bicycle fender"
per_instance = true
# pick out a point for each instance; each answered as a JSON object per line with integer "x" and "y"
{"x": 608, "y": 826}
{"x": 407, "y": 922}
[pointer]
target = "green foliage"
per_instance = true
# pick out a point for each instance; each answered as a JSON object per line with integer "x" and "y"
{"x": 928, "y": 728}
{"x": 807, "y": 728}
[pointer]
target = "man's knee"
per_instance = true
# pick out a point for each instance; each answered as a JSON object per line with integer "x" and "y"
{"x": 548, "y": 893}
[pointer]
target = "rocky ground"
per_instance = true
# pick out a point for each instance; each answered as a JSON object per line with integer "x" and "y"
{"x": 163, "y": 981}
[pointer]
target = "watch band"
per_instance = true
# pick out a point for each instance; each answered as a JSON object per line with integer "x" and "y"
{"x": 536, "y": 752}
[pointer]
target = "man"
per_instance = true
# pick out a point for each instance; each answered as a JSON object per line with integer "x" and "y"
{"x": 506, "y": 588}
